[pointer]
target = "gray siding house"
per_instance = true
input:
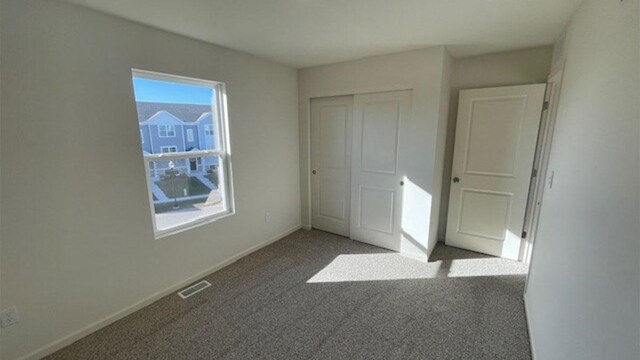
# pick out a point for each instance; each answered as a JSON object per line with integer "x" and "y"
{"x": 177, "y": 128}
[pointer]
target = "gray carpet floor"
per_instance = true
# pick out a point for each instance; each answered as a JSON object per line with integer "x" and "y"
{"x": 314, "y": 295}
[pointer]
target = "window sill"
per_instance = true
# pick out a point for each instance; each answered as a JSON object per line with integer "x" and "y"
{"x": 159, "y": 234}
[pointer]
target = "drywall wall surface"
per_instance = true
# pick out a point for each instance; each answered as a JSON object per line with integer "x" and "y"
{"x": 1, "y": 307}
{"x": 528, "y": 66}
{"x": 440, "y": 186}
{"x": 583, "y": 292}
{"x": 422, "y": 72}
{"x": 502, "y": 69}
{"x": 77, "y": 238}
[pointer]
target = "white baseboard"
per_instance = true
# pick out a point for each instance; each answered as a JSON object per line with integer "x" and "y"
{"x": 526, "y": 312}
{"x": 306, "y": 227}
{"x": 110, "y": 319}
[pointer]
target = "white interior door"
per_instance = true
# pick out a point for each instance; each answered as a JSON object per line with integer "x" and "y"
{"x": 377, "y": 168}
{"x": 331, "y": 123}
{"x": 495, "y": 143}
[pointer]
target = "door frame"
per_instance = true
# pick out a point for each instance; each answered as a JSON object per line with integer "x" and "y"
{"x": 541, "y": 163}
{"x": 305, "y": 107}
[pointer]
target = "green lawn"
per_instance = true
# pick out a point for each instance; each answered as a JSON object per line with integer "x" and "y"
{"x": 175, "y": 188}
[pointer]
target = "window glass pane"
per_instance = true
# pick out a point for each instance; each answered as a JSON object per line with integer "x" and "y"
{"x": 172, "y": 113}
{"x": 186, "y": 190}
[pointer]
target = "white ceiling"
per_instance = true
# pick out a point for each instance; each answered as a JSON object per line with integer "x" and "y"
{"x": 303, "y": 33}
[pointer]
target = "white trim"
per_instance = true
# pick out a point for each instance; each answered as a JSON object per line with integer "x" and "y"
{"x": 197, "y": 222}
{"x": 152, "y": 120}
{"x": 528, "y": 319}
{"x": 150, "y": 136}
{"x": 361, "y": 90}
{"x": 307, "y": 188}
{"x": 167, "y": 129}
{"x": 110, "y": 319}
{"x": 538, "y": 184}
{"x": 190, "y": 137}
{"x": 168, "y": 147}
{"x": 209, "y": 128}
{"x": 225, "y": 171}
{"x": 182, "y": 155}
{"x": 183, "y": 136}
{"x": 203, "y": 116}
{"x": 153, "y": 75}
{"x": 149, "y": 179}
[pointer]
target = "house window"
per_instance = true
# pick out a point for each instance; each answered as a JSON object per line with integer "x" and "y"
{"x": 186, "y": 188}
{"x": 168, "y": 149}
{"x": 166, "y": 131}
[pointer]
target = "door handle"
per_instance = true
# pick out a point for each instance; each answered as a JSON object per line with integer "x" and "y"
{"x": 401, "y": 183}
{"x": 456, "y": 179}
{"x": 313, "y": 172}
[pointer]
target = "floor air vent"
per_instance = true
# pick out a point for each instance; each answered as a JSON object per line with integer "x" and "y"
{"x": 194, "y": 289}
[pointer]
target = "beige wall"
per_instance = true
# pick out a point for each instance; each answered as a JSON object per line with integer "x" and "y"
{"x": 77, "y": 239}
{"x": 529, "y": 66}
{"x": 1, "y": 304}
{"x": 583, "y": 295}
{"x": 426, "y": 73}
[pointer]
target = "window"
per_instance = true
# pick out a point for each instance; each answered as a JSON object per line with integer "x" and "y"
{"x": 168, "y": 149}
{"x": 186, "y": 188}
{"x": 166, "y": 131}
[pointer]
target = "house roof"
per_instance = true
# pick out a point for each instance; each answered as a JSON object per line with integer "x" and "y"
{"x": 186, "y": 112}
{"x": 163, "y": 118}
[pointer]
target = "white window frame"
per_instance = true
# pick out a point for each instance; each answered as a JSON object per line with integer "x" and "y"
{"x": 190, "y": 137}
{"x": 222, "y": 151}
{"x": 166, "y": 129}
{"x": 163, "y": 148}
{"x": 141, "y": 136}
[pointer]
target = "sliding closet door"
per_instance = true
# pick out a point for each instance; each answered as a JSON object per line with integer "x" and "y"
{"x": 331, "y": 163}
{"x": 377, "y": 169}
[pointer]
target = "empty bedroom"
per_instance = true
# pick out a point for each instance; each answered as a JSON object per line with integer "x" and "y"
{"x": 320, "y": 179}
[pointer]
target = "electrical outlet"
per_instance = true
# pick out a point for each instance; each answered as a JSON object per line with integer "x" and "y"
{"x": 267, "y": 217}
{"x": 9, "y": 317}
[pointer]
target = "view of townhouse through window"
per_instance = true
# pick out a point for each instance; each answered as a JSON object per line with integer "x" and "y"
{"x": 182, "y": 124}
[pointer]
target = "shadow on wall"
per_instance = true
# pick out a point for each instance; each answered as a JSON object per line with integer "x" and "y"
{"x": 448, "y": 163}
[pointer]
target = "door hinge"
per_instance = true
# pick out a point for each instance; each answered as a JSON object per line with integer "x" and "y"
{"x": 545, "y": 105}
{"x": 524, "y": 234}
